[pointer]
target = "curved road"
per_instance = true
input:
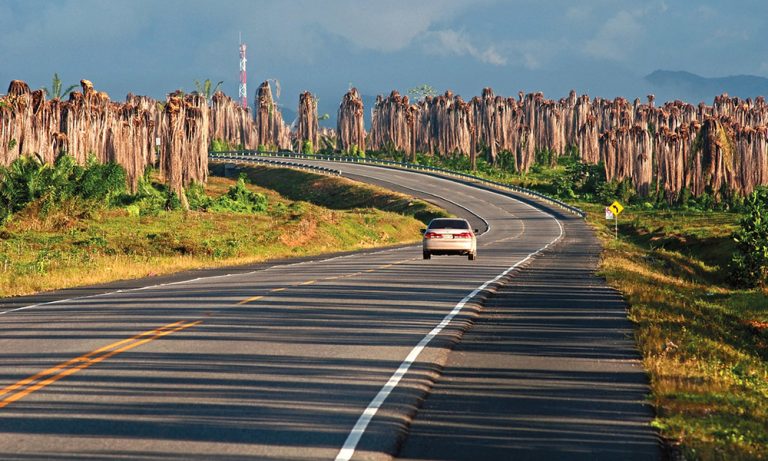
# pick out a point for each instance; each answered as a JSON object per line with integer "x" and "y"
{"x": 321, "y": 359}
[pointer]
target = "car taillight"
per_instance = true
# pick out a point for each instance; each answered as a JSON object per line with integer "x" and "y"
{"x": 433, "y": 235}
{"x": 464, "y": 235}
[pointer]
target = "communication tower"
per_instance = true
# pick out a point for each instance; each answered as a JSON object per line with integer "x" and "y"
{"x": 243, "y": 92}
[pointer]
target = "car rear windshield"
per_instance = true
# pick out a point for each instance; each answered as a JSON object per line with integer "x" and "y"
{"x": 449, "y": 224}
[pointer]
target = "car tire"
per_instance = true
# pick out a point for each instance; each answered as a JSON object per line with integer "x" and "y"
{"x": 427, "y": 255}
{"x": 472, "y": 256}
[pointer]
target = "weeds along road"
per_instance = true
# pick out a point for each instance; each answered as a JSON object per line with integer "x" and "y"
{"x": 326, "y": 359}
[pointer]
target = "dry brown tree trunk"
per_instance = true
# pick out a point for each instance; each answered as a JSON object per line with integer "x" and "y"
{"x": 85, "y": 119}
{"x": 608, "y": 153}
{"x": 393, "y": 124}
{"x": 587, "y": 141}
{"x": 231, "y": 122}
{"x": 172, "y": 142}
{"x": 307, "y": 124}
{"x": 642, "y": 168}
{"x": 184, "y": 142}
{"x": 484, "y": 121}
{"x": 28, "y": 124}
{"x": 131, "y": 140}
{"x": 350, "y": 124}
{"x": 271, "y": 131}
{"x": 526, "y": 154}
{"x": 425, "y": 132}
{"x": 507, "y": 119}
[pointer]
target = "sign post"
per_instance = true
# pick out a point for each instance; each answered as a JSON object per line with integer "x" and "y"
{"x": 612, "y": 212}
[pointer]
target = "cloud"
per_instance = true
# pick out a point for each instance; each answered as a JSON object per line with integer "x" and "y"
{"x": 385, "y": 26}
{"x": 580, "y": 13}
{"x": 365, "y": 24}
{"x": 617, "y": 37}
{"x": 450, "y": 42}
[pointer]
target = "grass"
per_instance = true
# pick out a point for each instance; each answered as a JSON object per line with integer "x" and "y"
{"x": 337, "y": 193}
{"x": 704, "y": 343}
{"x": 79, "y": 245}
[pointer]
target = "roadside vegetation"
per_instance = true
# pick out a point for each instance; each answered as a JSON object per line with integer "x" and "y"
{"x": 694, "y": 273}
{"x": 65, "y": 225}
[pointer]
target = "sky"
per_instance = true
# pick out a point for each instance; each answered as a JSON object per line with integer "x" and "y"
{"x": 600, "y": 47}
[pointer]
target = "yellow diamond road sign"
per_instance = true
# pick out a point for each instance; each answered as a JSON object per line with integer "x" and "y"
{"x": 616, "y": 208}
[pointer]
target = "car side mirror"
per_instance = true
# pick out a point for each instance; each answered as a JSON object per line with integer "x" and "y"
{"x": 423, "y": 231}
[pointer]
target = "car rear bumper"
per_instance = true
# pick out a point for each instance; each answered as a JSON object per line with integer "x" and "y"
{"x": 449, "y": 246}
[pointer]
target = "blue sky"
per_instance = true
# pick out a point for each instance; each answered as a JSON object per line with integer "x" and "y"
{"x": 597, "y": 46}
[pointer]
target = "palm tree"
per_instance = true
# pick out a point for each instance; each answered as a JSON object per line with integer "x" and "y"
{"x": 55, "y": 91}
{"x": 206, "y": 89}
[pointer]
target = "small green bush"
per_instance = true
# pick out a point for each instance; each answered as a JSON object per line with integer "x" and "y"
{"x": 240, "y": 200}
{"x": 28, "y": 179}
{"x": 197, "y": 198}
{"x": 219, "y": 145}
{"x": 306, "y": 148}
{"x": 749, "y": 266}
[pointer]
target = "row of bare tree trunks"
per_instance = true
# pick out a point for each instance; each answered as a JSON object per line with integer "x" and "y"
{"x": 677, "y": 146}
{"x": 670, "y": 148}
{"x": 127, "y": 133}
{"x": 88, "y": 124}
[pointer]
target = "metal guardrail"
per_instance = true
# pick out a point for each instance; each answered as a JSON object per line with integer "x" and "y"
{"x": 245, "y": 158}
{"x": 250, "y": 155}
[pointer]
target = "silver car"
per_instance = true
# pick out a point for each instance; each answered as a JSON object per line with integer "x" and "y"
{"x": 446, "y": 236}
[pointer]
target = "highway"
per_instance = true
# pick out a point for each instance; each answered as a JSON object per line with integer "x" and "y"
{"x": 328, "y": 358}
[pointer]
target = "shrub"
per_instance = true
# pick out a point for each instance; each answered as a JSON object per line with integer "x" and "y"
{"x": 545, "y": 157}
{"x": 355, "y": 151}
{"x": 197, "y": 198}
{"x": 505, "y": 161}
{"x": 218, "y": 145}
{"x": 749, "y": 266}
{"x": 240, "y": 200}
{"x": 27, "y": 179}
{"x": 306, "y": 148}
{"x": 101, "y": 182}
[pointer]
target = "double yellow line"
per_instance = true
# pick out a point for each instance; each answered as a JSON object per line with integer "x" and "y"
{"x": 47, "y": 377}
{"x": 34, "y": 383}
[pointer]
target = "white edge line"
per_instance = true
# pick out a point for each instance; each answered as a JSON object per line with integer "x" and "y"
{"x": 180, "y": 282}
{"x": 350, "y": 444}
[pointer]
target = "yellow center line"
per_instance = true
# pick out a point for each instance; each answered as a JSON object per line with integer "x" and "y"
{"x": 84, "y": 361}
{"x": 61, "y": 366}
{"x": 251, "y": 299}
{"x": 277, "y": 289}
{"x": 308, "y": 282}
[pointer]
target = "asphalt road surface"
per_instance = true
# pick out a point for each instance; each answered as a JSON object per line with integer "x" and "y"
{"x": 326, "y": 358}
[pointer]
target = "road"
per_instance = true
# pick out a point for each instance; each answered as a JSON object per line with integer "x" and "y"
{"x": 321, "y": 359}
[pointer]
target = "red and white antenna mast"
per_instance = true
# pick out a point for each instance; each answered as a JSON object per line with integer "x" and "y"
{"x": 243, "y": 91}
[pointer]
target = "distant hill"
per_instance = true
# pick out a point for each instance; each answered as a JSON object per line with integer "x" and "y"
{"x": 693, "y": 88}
